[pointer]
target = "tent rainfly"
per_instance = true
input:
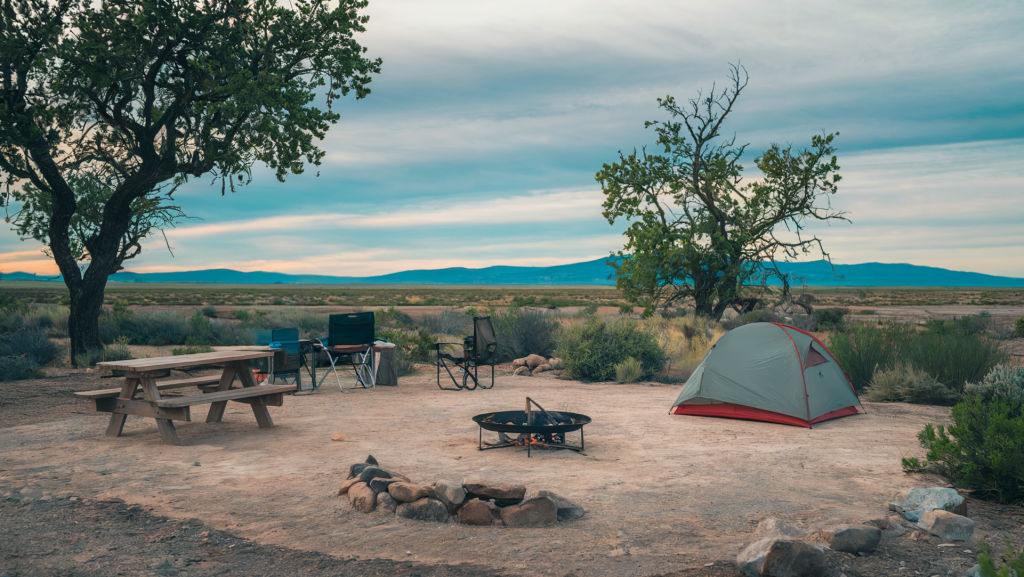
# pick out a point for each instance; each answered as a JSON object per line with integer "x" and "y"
{"x": 769, "y": 372}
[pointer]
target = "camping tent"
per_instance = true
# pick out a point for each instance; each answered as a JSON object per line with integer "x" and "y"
{"x": 769, "y": 372}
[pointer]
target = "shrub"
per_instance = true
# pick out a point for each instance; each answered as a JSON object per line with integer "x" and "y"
{"x": 116, "y": 351}
{"x": 1018, "y": 327}
{"x": 830, "y": 319}
{"x": 587, "y": 311}
{"x": 310, "y": 325}
{"x": 209, "y": 311}
{"x": 522, "y": 332}
{"x": 192, "y": 346}
{"x": 391, "y": 317}
{"x": 145, "y": 328}
{"x": 628, "y": 371}
{"x": 18, "y": 368}
{"x": 758, "y": 316}
{"x": 449, "y": 322}
{"x": 988, "y": 568}
{"x": 412, "y": 347}
{"x": 954, "y": 358}
{"x": 983, "y": 450}
{"x": 1002, "y": 382}
{"x": 591, "y": 350}
{"x": 862, "y": 349}
{"x": 24, "y": 351}
{"x": 907, "y": 384}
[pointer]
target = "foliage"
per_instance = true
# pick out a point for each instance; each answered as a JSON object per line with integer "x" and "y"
{"x": 685, "y": 340}
{"x": 830, "y": 319}
{"x": 697, "y": 230}
{"x": 108, "y": 107}
{"x": 1003, "y": 382}
{"x": 393, "y": 317}
{"x": 1015, "y": 562}
{"x": 913, "y": 465}
{"x": 412, "y": 347}
{"x": 192, "y": 346}
{"x": 983, "y": 450}
{"x": 755, "y": 316}
{"x": 1018, "y": 327}
{"x": 117, "y": 351}
{"x": 24, "y": 351}
{"x": 587, "y": 311}
{"x": 522, "y": 332}
{"x": 629, "y": 370}
{"x": 170, "y": 328}
{"x": 590, "y": 350}
{"x": 209, "y": 311}
{"x": 449, "y": 322}
{"x": 904, "y": 383}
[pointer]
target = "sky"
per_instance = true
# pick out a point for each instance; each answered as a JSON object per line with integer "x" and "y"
{"x": 479, "y": 143}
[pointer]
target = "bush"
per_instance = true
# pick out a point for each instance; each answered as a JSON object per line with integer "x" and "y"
{"x": 24, "y": 351}
{"x": 988, "y": 568}
{"x": 907, "y": 384}
{"x": 392, "y": 317}
{"x": 1018, "y": 328}
{"x": 863, "y": 349}
{"x": 192, "y": 346}
{"x": 149, "y": 328}
{"x": 412, "y": 347}
{"x": 522, "y": 332}
{"x": 116, "y": 351}
{"x": 628, "y": 371}
{"x": 830, "y": 319}
{"x": 450, "y": 322}
{"x": 983, "y": 450}
{"x": 209, "y": 311}
{"x": 18, "y": 368}
{"x": 758, "y": 316}
{"x": 1001, "y": 382}
{"x": 591, "y": 350}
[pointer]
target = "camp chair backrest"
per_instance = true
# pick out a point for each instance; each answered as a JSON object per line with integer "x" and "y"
{"x": 262, "y": 336}
{"x": 350, "y": 329}
{"x": 484, "y": 342}
{"x": 289, "y": 339}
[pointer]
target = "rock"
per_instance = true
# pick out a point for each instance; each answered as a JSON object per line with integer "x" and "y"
{"x": 519, "y": 363}
{"x": 408, "y": 492}
{"x": 542, "y": 368}
{"x": 338, "y": 437}
{"x": 424, "y": 509}
{"x": 371, "y": 461}
{"x": 567, "y": 510}
{"x": 451, "y": 494}
{"x": 380, "y": 485}
{"x": 386, "y": 503}
{"x": 918, "y": 501}
{"x": 487, "y": 490}
{"x": 356, "y": 468}
{"x": 534, "y": 361}
{"x": 946, "y": 525}
{"x": 362, "y": 497}
{"x": 521, "y": 372}
{"x": 536, "y": 512}
{"x": 771, "y": 557}
{"x": 852, "y": 538}
{"x": 370, "y": 473}
{"x": 348, "y": 485}
{"x": 772, "y": 527}
{"x": 476, "y": 512}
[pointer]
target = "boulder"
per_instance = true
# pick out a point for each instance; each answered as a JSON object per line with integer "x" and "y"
{"x": 386, "y": 503}
{"x": 771, "y": 557}
{"x": 772, "y": 527}
{"x": 534, "y": 361}
{"x": 946, "y": 525}
{"x": 347, "y": 485}
{"x": 357, "y": 468}
{"x": 362, "y": 497}
{"x": 555, "y": 363}
{"x": 522, "y": 371}
{"x": 541, "y": 368}
{"x": 852, "y": 538}
{"x": 424, "y": 509}
{"x": 536, "y": 512}
{"x": 408, "y": 492}
{"x": 917, "y": 501}
{"x": 371, "y": 461}
{"x": 519, "y": 363}
{"x": 487, "y": 490}
{"x": 567, "y": 510}
{"x": 369, "y": 473}
{"x": 380, "y": 485}
{"x": 451, "y": 494}
{"x": 476, "y": 512}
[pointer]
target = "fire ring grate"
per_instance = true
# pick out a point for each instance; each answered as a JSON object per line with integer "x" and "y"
{"x": 533, "y": 428}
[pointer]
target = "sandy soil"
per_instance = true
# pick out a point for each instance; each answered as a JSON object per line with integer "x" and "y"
{"x": 663, "y": 493}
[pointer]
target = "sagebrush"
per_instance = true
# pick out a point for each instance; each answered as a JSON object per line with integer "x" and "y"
{"x": 591, "y": 350}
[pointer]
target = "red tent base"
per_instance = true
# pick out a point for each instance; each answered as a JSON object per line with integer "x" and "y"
{"x": 733, "y": 411}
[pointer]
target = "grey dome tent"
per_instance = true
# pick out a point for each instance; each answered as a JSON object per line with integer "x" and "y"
{"x": 769, "y": 372}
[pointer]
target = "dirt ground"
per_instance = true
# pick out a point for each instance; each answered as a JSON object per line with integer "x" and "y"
{"x": 663, "y": 493}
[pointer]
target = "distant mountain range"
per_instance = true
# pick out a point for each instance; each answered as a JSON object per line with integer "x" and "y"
{"x": 595, "y": 272}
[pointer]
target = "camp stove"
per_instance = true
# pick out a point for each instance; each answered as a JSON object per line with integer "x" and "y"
{"x": 532, "y": 428}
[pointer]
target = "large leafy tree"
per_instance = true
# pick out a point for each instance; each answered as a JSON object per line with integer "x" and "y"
{"x": 107, "y": 107}
{"x": 698, "y": 232}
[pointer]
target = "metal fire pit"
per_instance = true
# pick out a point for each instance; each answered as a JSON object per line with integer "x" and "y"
{"x": 532, "y": 423}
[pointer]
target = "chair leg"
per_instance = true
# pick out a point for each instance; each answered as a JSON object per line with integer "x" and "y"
{"x": 334, "y": 369}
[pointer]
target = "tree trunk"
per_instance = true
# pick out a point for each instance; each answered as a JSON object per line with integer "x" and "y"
{"x": 84, "y": 318}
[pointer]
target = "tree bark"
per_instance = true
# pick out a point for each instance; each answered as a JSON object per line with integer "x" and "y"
{"x": 84, "y": 318}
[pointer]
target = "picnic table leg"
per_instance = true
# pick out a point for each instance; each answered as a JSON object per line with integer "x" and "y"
{"x": 116, "y": 420}
{"x": 166, "y": 427}
{"x": 217, "y": 409}
{"x": 258, "y": 409}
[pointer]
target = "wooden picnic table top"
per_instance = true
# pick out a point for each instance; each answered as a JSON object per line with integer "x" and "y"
{"x": 161, "y": 363}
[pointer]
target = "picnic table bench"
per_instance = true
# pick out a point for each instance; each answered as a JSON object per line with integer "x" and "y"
{"x": 215, "y": 390}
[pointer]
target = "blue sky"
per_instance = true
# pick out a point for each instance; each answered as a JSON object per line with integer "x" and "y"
{"x": 479, "y": 143}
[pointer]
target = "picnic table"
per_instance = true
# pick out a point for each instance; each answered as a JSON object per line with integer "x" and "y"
{"x": 142, "y": 374}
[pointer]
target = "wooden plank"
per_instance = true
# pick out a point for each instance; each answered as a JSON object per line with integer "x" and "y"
{"x": 259, "y": 410}
{"x": 167, "y": 432}
{"x": 243, "y": 348}
{"x": 274, "y": 400}
{"x": 141, "y": 409}
{"x": 229, "y": 395}
{"x": 174, "y": 362}
{"x": 163, "y": 386}
{"x": 217, "y": 409}
{"x": 116, "y": 424}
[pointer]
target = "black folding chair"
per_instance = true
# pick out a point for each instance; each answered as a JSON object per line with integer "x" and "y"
{"x": 350, "y": 339}
{"x": 477, "y": 350}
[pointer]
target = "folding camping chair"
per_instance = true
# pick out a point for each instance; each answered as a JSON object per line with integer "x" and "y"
{"x": 350, "y": 337}
{"x": 477, "y": 350}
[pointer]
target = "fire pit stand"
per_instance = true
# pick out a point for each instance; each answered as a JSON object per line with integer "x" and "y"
{"x": 539, "y": 428}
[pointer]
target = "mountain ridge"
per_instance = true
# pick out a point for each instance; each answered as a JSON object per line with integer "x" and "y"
{"x": 595, "y": 273}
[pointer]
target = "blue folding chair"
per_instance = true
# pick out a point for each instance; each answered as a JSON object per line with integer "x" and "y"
{"x": 289, "y": 363}
{"x": 350, "y": 339}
